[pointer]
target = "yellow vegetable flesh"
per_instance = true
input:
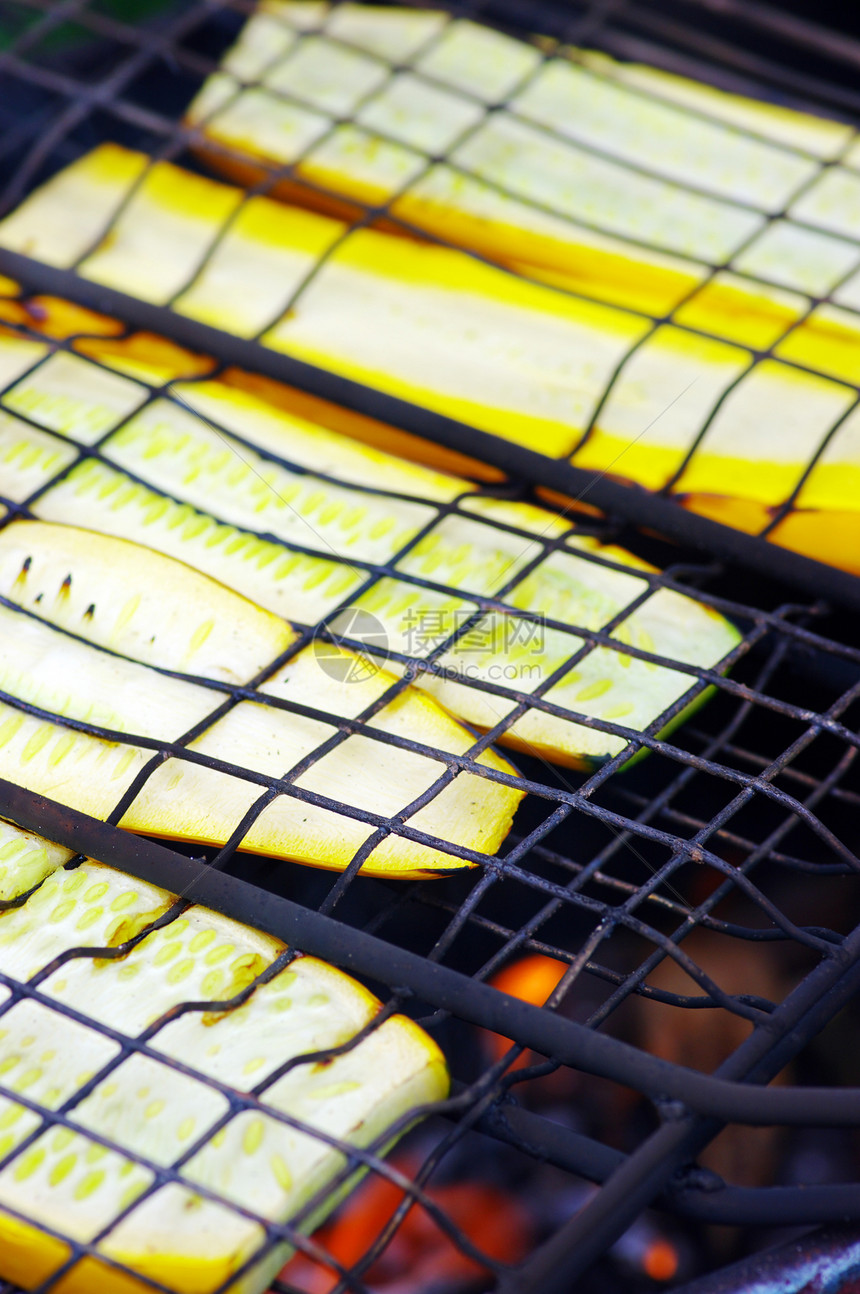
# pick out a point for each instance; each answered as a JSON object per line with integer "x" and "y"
{"x": 264, "y": 501}
{"x": 89, "y": 616}
{"x": 623, "y": 184}
{"x": 150, "y": 1115}
{"x": 438, "y": 328}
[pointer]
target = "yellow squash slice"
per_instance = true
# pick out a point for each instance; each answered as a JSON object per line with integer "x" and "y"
{"x": 624, "y": 183}
{"x": 436, "y": 327}
{"x": 256, "y": 516}
{"x": 617, "y": 180}
{"x": 586, "y": 153}
{"x": 66, "y": 1179}
{"x": 517, "y": 358}
{"x": 89, "y": 621}
{"x": 25, "y": 860}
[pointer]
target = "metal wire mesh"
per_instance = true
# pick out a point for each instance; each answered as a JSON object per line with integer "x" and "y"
{"x": 738, "y": 830}
{"x": 775, "y": 223}
{"x": 646, "y": 851}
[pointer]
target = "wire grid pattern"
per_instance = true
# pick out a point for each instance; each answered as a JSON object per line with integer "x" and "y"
{"x": 812, "y": 290}
{"x": 727, "y": 754}
{"x": 650, "y": 908}
{"x": 255, "y": 1099}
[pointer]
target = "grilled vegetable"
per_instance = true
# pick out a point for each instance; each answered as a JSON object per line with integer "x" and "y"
{"x": 25, "y": 860}
{"x": 68, "y": 1180}
{"x": 91, "y": 619}
{"x": 320, "y": 532}
{"x": 524, "y": 176}
{"x": 509, "y": 356}
{"x": 438, "y": 328}
{"x": 621, "y": 182}
{"x": 245, "y": 469}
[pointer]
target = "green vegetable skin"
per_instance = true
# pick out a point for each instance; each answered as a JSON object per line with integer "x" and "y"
{"x": 247, "y": 514}
{"x": 68, "y": 1182}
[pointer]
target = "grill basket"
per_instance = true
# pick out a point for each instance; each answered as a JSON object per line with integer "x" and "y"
{"x": 733, "y": 843}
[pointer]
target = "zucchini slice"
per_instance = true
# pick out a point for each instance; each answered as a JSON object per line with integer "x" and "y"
{"x": 248, "y": 462}
{"x": 25, "y": 860}
{"x": 122, "y": 597}
{"x": 88, "y": 622}
{"x": 65, "y": 1179}
{"x": 526, "y": 187}
{"x": 296, "y": 585}
{"x": 514, "y": 357}
{"x": 606, "y": 683}
{"x": 18, "y": 354}
{"x": 54, "y": 399}
{"x": 436, "y": 327}
{"x": 29, "y": 457}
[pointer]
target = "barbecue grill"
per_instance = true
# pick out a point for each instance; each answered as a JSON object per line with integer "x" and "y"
{"x": 733, "y": 843}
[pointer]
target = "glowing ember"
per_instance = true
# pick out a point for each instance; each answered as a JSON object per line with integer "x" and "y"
{"x": 660, "y": 1260}
{"x": 531, "y": 979}
{"x": 420, "y": 1257}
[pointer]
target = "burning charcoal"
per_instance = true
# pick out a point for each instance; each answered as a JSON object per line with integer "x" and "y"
{"x": 421, "y": 1258}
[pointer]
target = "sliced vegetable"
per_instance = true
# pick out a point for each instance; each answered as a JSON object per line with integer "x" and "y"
{"x": 606, "y": 682}
{"x": 124, "y": 598}
{"x": 300, "y": 586}
{"x": 687, "y": 404}
{"x": 437, "y": 327}
{"x": 53, "y": 399}
{"x": 624, "y": 183}
{"x": 236, "y": 461}
{"x": 84, "y": 612}
{"x": 595, "y": 117}
{"x": 615, "y": 179}
{"x": 29, "y": 458}
{"x": 17, "y": 355}
{"x": 68, "y": 1180}
{"x": 25, "y": 860}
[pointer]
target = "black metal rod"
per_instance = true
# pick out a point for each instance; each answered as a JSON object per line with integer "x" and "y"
{"x": 633, "y": 503}
{"x": 354, "y": 950}
{"x": 708, "y": 1201}
{"x": 556, "y": 1266}
{"x": 769, "y": 1206}
{"x": 823, "y": 1260}
{"x": 837, "y": 45}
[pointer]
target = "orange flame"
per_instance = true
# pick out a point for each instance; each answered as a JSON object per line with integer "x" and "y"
{"x": 531, "y": 979}
{"x": 420, "y": 1256}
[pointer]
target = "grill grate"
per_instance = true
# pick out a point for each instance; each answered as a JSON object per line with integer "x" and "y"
{"x": 740, "y": 826}
{"x": 128, "y": 103}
